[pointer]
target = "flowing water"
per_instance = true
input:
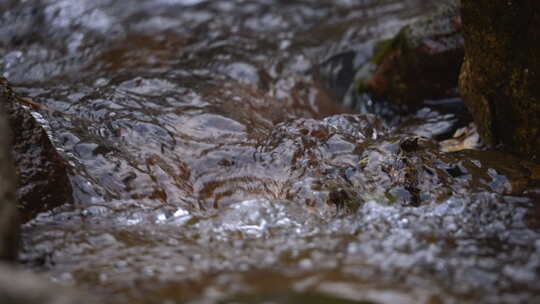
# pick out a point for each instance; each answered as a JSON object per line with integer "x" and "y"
{"x": 213, "y": 161}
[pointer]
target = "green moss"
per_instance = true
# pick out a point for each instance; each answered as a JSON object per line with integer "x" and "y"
{"x": 385, "y": 47}
{"x": 363, "y": 162}
{"x": 391, "y": 200}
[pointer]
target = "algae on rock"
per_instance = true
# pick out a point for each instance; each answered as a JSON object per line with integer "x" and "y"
{"x": 420, "y": 62}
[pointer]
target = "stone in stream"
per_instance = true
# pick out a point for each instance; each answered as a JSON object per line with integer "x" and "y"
{"x": 419, "y": 63}
{"x": 43, "y": 181}
{"x": 17, "y": 286}
{"x": 500, "y": 78}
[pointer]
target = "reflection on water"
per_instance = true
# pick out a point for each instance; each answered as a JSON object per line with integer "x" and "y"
{"x": 212, "y": 160}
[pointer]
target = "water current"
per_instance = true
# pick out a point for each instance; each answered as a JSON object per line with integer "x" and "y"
{"x": 213, "y": 160}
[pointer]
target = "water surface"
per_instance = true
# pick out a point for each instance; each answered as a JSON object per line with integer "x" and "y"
{"x": 213, "y": 161}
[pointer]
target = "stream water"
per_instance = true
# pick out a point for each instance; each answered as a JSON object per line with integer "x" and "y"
{"x": 213, "y": 161}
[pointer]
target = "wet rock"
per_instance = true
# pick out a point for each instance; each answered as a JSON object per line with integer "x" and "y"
{"x": 43, "y": 181}
{"x": 8, "y": 212}
{"x": 499, "y": 78}
{"x": 19, "y": 287}
{"x": 419, "y": 63}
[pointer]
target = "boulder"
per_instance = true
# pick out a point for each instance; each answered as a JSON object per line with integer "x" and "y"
{"x": 43, "y": 180}
{"x": 419, "y": 63}
{"x": 18, "y": 286}
{"x": 500, "y": 77}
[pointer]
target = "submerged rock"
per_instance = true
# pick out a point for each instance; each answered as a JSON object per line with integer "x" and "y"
{"x": 421, "y": 62}
{"x": 8, "y": 213}
{"x": 43, "y": 181}
{"x": 500, "y": 76}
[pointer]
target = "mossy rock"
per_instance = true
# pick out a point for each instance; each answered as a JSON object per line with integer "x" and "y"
{"x": 421, "y": 62}
{"x": 500, "y": 79}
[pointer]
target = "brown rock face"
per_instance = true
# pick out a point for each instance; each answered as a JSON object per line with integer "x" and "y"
{"x": 17, "y": 286}
{"x": 500, "y": 78}
{"x": 421, "y": 62}
{"x": 43, "y": 181}
{"x": 8, "y": 213}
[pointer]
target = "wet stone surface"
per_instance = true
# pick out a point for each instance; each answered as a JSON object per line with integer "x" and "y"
{"x": 42, "y": 179}
{"x": 422, "y": 62}
{"x": 213, "y": 163}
